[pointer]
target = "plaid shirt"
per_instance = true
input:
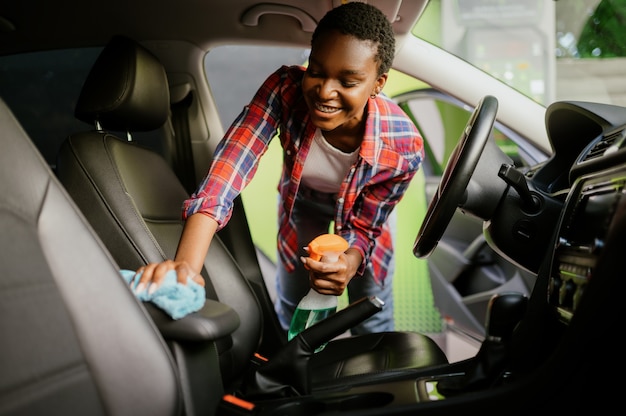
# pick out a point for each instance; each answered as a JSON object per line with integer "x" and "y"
{"x": 390, "y": 154}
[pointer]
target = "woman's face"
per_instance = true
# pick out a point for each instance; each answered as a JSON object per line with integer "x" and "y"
{"x": 341, "y": 76}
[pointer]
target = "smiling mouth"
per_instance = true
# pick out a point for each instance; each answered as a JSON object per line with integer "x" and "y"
{"x": 325, "y": 109}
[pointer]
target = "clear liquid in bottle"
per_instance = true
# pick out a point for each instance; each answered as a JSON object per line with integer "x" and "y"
{"x": 313, "y": 308}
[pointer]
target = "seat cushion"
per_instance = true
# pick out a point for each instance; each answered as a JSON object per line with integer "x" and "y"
{"x": 365, "y": 357}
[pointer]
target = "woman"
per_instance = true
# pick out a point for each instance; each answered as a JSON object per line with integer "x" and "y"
{"x": 349, "y": 154}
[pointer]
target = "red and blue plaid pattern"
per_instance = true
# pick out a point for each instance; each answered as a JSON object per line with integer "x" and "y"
{"x": 389, "y": 157}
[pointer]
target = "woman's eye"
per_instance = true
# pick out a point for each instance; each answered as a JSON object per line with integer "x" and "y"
{"x": 313, "y": 74}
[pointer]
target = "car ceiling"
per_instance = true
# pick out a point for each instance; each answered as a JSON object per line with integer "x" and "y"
{"x": 47, "y": 24}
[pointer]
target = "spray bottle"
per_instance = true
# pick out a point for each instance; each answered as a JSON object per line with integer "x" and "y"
{"x": 314, "y": 306}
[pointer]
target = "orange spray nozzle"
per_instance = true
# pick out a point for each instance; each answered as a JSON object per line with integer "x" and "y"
{"x": 325, "y": 244}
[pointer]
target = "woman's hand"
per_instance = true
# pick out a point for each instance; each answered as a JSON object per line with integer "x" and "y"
{"x": 192, "y": 249}
{"x": 152, "y": 275}
{"x": 333, "y": 278}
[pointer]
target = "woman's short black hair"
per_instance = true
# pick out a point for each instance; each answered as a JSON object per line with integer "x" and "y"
{"x": 364, "y": 22}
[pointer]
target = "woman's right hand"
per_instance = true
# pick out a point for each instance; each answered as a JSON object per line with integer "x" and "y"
{"x": 152, "y": 274}
{"x": 194, "y": 244}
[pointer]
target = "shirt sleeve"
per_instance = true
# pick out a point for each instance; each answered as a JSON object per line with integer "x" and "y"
{"x": 237, "y": 155}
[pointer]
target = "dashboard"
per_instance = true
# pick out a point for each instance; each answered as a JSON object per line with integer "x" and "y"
{"x": 590, "y": 139}
{"x": 588, "y": 174}
{"x": 579, "y": 189}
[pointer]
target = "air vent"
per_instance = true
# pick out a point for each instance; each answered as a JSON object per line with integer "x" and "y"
{"x": 609, "y": 143}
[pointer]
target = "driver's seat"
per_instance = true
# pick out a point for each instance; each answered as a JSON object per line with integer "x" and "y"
{"x": 133, "y": 199}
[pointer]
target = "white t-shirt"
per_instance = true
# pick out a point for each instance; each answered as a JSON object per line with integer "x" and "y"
{"x": 326, "y": 166}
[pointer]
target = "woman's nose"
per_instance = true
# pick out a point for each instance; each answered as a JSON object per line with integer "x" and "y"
{"x": 327, "y": 89}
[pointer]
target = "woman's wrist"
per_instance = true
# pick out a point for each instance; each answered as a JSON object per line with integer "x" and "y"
{"x": 354, "y": 260}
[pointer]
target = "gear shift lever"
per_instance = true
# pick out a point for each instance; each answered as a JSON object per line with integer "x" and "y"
{"x": 503, "y": 314}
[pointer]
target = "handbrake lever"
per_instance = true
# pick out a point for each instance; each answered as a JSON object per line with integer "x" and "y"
{"x": 341, "y": 321}
{"x": 287, "y": 373}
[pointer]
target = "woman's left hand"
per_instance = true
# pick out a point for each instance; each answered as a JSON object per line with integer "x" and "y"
{"x": 333, "y": 278}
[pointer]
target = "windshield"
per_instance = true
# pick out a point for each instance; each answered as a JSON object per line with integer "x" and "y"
{"x": 548, "y": 50}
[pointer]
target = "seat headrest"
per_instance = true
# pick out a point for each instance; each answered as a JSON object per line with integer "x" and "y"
{"x": 126, "y": 89}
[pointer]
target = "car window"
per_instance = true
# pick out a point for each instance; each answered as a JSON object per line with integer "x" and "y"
{"x": 591, "y": 50}
{"x": 548, "y": 50}
{"x": 441, "y": 120}
{"x": 42, "y": 88}
{"x": 235, "y": 72}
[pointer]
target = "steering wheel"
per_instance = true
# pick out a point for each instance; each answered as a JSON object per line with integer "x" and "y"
{"x": 451, "y": 191}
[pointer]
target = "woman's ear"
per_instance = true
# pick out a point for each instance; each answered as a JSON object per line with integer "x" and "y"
{"x": 380, "y": 83}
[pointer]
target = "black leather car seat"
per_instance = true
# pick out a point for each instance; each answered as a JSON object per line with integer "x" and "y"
{"x": 74, "y": 338}
{"x": 133, "y": 199}
{"x": 130, "y": 193}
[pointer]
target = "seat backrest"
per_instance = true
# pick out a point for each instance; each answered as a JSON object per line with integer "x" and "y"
{"x": 73, "y": 338}
{"x": 131, "y": 195}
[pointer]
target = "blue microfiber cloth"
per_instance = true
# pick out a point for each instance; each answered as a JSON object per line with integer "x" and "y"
{"x": 176, "y": 299}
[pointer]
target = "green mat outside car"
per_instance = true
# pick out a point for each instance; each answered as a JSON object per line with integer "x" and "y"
{"x": 414, "y": 305}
